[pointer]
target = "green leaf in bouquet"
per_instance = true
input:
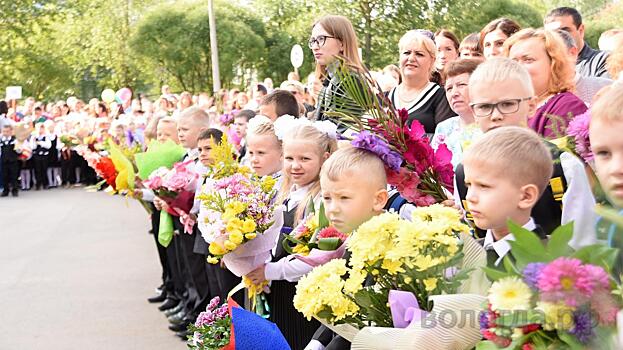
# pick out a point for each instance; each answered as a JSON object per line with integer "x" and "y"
{"x": 558, "y": 244}
{"x": 290, "y": 239}
{"x": 527, "y": 246}
{"x": 311, "y": 209}
{"x": 570, "y": 340}
{"x": 486, "y": 345}
{"x": 514, "y": 319}
{"x": 597, "y": 254}
{"x": 323, "y": 222}
{"x": 494, "y": 274}
{"x": 331, "y": 243}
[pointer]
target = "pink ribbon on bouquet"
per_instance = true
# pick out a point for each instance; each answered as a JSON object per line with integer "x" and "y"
{"x": 405, "y": 308}
{"x": 186, "y": 220}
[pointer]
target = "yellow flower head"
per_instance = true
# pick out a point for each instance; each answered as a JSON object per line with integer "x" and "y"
{"x": 234, "y": 224}
{"x": 216, "y": 249}
{"x": 229, "y": 245}
{"x": 268, "y": 183}
{"x": 510, "y": 294}
{"x": 236, "y": 206}
{"x": 392, "y": 266}
{"x": 236, "y": 237}
{"x": 323, "y": 290}
{"x": 213, "y": 260}
{"x": 430, "y": 284}
{"x": 557, "y": 315}
{"x": 248, "y": 226}
{"x": 250, "y": 236}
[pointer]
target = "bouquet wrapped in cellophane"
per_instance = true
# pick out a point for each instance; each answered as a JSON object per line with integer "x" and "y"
{"x": 396, "y": 268}
{"x": 419, "y": 173}
{"x": 550, "y": 297}
{"x": 314, "y": 241}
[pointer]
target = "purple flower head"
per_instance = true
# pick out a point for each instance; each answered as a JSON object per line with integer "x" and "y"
{"x": 531, "y": 274}
{"x": 583, "y": 329}
{"x": 484, "y": 320}
{"x": 366, "y": 140}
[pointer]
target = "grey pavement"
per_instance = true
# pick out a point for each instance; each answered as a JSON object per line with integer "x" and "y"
{"x": 75, "y": 271}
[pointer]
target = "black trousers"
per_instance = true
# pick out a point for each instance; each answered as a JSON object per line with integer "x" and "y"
{"x": 177, "y": 280}
{"x": 41, "y": 168}
{"x": 226, "y": 282}
{"x": 167, "y": 281}
{"x": 10, "y": 176}
{"x": 193, "y": 271}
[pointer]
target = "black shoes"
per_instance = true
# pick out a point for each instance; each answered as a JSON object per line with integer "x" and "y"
{"x": 158, "y": 298}
{"x": 14, "y": 193}
{"x": 179, "y": 327}
{"x": 4, "y": 194}
{"x": 168, "y": 304}
{"x": 183, "y": 335}
{"x": 179, "y": 307}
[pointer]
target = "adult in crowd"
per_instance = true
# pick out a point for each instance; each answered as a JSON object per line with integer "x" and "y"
{"x": 544, "y": 55}
{"x": 585, "y": 86}
{"x": 447, "y": 45}
{"x": 298, "y": 90}
{"x": 590, "y": 62}
{"x": 457, "y": 132}
{"x": 424, "y": 100}
{"x": 470, "y": 47}
{"x": 494, "y": 34}
{"x": 332, "y": 37}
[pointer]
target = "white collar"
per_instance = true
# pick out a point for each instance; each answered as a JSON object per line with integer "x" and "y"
{"x": 502, "y": 247}
{"x": 192, "y": 154}
{"x": 296, "y": 195}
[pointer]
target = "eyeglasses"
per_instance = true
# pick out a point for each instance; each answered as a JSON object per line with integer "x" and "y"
{"x": 504, "y": 107}
{"x": 319, "y": 40}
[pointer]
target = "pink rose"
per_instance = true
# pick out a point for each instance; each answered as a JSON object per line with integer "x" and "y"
{"x": 153, "y": 182}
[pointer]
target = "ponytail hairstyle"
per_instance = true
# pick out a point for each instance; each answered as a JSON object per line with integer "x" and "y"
{"x": 324, "y": 142}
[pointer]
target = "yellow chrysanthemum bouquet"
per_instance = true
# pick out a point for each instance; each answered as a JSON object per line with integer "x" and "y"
{"x": 237, "y": 217}
{"x": 388, "y": 256}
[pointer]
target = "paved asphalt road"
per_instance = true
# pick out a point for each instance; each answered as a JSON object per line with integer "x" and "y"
{"x": 75, "y": 271}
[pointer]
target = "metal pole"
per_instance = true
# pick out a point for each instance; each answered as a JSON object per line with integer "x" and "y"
{"x": 216, "y": 79}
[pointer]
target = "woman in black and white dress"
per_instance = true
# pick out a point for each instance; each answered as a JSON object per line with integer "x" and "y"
{"x": 424, "y": 100}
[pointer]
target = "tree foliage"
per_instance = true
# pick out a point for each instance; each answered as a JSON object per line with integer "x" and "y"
{"x": 56, "y": 48}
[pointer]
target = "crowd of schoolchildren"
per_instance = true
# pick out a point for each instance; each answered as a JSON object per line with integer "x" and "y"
{"x": 497, "y": 100}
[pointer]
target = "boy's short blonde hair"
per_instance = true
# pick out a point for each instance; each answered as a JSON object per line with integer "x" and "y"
{"x": 355, "y": 162}
{"x": 498, "y": 69}
{"x": 198, "y": 116}
{"x": 609, "y": 105}
{"x": 517, "y": 153}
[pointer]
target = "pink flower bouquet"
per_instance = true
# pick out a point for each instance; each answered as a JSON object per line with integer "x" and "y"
{"x": 175, "y": 186}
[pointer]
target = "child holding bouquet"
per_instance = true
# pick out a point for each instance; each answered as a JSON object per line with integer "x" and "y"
{"x": 506, "y": 172}
{"x": 354, "y": 189}
{"x": 192, "y": 266}
{"x": 305, "y": 149}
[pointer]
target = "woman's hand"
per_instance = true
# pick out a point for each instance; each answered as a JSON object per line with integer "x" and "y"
{"x": 160, "y": 204}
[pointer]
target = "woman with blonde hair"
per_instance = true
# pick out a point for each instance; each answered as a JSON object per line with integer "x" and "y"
{"x": 424, "y": 100}
{"x": 543, "y": 53}
{"x": 332, "y": 37}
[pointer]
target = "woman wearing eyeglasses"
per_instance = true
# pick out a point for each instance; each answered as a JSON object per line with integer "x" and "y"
{"x": 424, "y": 100}
{"x": 332, "y": 37}
{"x": 543, "y": 53}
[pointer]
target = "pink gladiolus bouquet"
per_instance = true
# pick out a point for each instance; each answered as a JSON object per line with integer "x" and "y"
{"x": 420, "y": 174}
{"x": 175, "y": 186}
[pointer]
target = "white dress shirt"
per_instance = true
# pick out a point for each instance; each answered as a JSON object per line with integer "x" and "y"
{"x": 502, "y": 247}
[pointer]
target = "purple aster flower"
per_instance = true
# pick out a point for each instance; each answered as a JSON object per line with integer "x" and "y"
{"x": 583, "y": 329}
{"x": 366, "y": 140}
{"x": 205, "y": 318}
{"x": 484, "y": 320}
{"x": 531, "y": 274}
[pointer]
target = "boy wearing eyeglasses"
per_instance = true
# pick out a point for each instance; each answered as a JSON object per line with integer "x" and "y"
{"x": 501, "y": 94}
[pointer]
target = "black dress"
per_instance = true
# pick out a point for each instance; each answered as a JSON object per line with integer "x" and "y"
{"x": 293, "y": 325}
{"x": 429, "y": 108}
{"x": 54, "y": 159}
